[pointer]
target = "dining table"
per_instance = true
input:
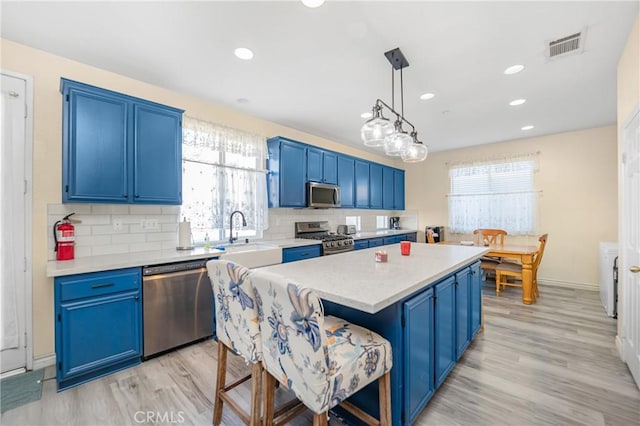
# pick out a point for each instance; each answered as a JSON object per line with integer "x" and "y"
{"x": 522, "y": 252}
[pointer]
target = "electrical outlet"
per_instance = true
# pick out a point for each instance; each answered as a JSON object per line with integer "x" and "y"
{"x": 149, "y": 224}
{"x": 117, "y": 224}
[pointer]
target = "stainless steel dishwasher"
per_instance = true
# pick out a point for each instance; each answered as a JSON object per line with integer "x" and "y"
{"x": 177, "y": 305}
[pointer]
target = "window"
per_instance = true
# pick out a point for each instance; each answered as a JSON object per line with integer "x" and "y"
{"x": 222, "y": 171}
{"x": 494, "y": 194}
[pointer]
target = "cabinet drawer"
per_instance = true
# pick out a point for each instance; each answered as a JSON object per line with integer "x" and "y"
{"x": 361, "y": 244}
{"x": 300, "y": 253}
{"x": 376, "y": 242}
{"x": 98, "y": 283}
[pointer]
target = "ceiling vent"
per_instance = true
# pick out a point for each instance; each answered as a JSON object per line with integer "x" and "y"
{"x": 573, "y": 43}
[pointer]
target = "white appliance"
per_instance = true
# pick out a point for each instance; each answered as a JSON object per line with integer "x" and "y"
{"x": 608, "y": 280}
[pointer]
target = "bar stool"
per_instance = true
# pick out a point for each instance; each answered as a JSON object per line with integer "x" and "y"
{"x": 323, "y": 360}
{"x": 238, "y": 331}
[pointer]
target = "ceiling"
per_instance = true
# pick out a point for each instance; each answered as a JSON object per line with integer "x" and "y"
{"x": 317, "y": 70}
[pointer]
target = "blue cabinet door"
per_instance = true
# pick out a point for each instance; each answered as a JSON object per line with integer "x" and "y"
{"x": 293, "y": 254}
{"x": 157, "y": 155}
{"x": 376, "y": 242}
{"x": 387, "y": 188}
{"x": 362, "y": 184}
{"x": 476, "y": 299}
{"x": 463, "y": 300}
{"x": 346, "y": 180}
{"x": 418, "y": 353}
{"x": 360, "y": 244}
{"x": 95, "y": 155}
{"x": 375, "y": 186}
{"x": 413, "y": 237}
{"x": 445, "y": 329}
{"x": 398, "y": 189}
{"x": 98, "y": 324}
{"x": 314, "y": 165}
{"x": 292, "y": 174}
{"x": 330, "y": 167}
{"x": 389, "y": 240}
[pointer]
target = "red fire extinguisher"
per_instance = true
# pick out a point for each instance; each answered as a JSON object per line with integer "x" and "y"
{"x": 64, "y": 237}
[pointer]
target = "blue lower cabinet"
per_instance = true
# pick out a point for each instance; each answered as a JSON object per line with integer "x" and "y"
{"x": 389, "y": 240}
{"x": 376, "y": 242}
{"x": 418, "y": 353}
{"x": 476, "y": 300}
{"x": 413, "y": 237}
{"x": 360, "y": 244}
{"x": 294, "y": 254}
{"x": 445, "y": 329}
{"x": 463, "y": 304}
{"x": 98, "y": 324}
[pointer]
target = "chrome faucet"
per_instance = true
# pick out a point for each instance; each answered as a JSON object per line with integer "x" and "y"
{"x": 244, "y": 223}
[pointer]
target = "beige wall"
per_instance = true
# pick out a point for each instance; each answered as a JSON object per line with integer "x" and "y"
{"x": 46, "y": 70}
{"x": 578, "y": 205}
{"x": 628, "y": 98}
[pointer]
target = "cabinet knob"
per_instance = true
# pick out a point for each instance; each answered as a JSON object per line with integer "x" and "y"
{"x": 125, "y": 196}
{"x": 137, "y": 195}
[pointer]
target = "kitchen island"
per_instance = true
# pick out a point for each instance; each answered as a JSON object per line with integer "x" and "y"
{"x": 428, "y": 305}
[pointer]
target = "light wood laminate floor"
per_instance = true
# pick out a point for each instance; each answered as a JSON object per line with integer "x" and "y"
{"x": 552, "y": 363}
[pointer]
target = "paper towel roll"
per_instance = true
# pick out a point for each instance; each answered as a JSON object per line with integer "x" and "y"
{"x": 184, "y": 234}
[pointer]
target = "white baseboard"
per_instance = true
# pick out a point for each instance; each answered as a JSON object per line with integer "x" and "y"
{"x": 569, "y": 284}
{"x": 44, "y": 361}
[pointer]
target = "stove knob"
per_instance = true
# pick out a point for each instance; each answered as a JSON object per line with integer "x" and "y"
{"x": 339, "y": 243}
{"x": 332, "y": 244}
{"x": 349, "y": 242}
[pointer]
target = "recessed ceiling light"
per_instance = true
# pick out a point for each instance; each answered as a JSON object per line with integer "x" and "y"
{"x": 427, "y": 96}
{"x": 517, "y": 102}
{"x": 313, "y": 3}
{"x": 366, "y": 115}
{"x": 514, "y": 69}
{"x": 527, "y": 127}
{"x": 242, "y": 100}
{"x": 243, "y": 53}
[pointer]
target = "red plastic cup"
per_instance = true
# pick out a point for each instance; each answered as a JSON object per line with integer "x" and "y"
{"x": 405, "y": 248}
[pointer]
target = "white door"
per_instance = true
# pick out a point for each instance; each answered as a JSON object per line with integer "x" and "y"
{"x": 629, "y": 272}
{"x": 13, "y": 271}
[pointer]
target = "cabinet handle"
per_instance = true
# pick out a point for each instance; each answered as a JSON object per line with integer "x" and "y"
{"x": 103, "y": 285}
{"x": 125, "y": 196}
{"x": 137, "y": 195}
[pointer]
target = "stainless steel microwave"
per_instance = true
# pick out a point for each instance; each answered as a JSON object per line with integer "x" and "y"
{"x": 320, "y": 195}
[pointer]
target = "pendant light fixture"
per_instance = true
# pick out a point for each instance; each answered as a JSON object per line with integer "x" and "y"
{"x": 380, "y": 132}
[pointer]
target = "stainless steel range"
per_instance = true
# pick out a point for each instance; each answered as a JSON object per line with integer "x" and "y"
{"x": 331, "y": 243}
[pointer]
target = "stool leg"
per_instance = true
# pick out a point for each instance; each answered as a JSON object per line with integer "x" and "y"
{"x": 384, "y": 396}
{"x": 320, "y": 419}
{"x": 220, "y": 383}
{"x": 269, "y": 398}
{"x": 256, "y": 387}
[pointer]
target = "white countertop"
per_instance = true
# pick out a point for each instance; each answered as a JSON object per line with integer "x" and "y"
{"x": 108, "y": 262}
{"x": 128, "y": 260}
{"x": 356, "y": 280}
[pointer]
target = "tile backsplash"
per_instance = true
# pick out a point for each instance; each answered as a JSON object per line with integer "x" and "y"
{"x": 111, "y": 229}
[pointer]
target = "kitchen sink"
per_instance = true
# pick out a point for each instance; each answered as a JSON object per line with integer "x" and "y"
{"x": 252, "y": 255}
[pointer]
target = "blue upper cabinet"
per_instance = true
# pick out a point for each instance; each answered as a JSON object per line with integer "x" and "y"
{"x": 362, "y": 184}
{"x": 287, "y": 176}
{"x": 157, "y": 158}
{"x": 346, "y": 180}
{"x": 387, "y": 188}
{"x": 322, "y": 166}
{"x": 398, "y": 189}
{"x": 375, "y": 186}
{"x": 119, "y": 149}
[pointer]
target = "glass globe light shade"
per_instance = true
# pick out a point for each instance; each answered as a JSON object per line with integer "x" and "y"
{"x": 415, "y": 153}
{"x": 375, "y": 130}
{"x": 396, "y": 143}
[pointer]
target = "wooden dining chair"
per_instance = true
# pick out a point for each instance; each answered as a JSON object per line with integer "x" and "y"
{"x": 485, "y": 237}
{"x": 508, "y": 269}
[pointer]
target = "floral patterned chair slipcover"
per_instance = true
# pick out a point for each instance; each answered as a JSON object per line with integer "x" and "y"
{"x": 323, "y": 360}
{"x": 237, "y": 330}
